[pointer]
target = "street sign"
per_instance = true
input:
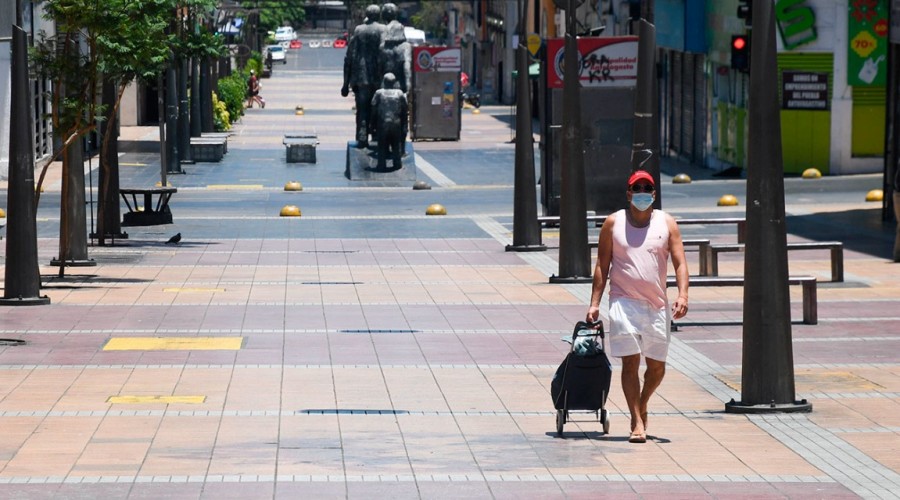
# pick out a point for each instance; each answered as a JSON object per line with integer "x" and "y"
{"x": 534, "y": 44}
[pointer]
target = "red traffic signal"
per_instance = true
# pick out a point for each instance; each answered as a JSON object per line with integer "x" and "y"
{"x": 740, "y": 52}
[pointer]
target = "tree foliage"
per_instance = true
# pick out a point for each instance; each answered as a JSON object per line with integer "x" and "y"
{"x": 275, "y": 13}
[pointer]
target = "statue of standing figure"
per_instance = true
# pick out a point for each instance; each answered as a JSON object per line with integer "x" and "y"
{"x": 361, "y": 70}
{"x": 390, "y": 111}
{"x": 395, "y": 53}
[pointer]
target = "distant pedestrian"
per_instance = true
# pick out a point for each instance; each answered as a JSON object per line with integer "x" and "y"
{"x": 253, "y": 87}
{"x": 633, "y": 254}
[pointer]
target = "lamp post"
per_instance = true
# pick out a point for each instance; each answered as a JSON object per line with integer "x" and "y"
{"x": 526, "y": 229}
{"x": 574, "y": 253}
{"x": 767, "y": 370}
{"x": 23, "y": 278}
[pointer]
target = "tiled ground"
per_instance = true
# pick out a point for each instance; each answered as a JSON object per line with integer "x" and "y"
{"x": 383, "y": 352}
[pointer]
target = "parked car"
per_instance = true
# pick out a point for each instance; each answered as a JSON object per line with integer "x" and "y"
{"x": 285, "y": 34}
{"x": 314, "y": 44}
{"x": 340, "y": 43}
{"x": 296, "y": 44}
{"x": 277, "y": 52}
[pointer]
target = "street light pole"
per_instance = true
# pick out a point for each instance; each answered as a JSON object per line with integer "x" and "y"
{"x": 526, "y": 229}
{"x": 22, "y": 274}
{"x": 574, "y": 253}
{"x": 767, "y": 370}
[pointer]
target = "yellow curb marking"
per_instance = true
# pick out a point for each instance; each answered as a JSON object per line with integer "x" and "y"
{"x": 173, "y": 344}
{"x": 191, "y": 400}
{"x": 233, "y": 186}
{"x": 122, "y": 164}
{"x": 193, "y": 290}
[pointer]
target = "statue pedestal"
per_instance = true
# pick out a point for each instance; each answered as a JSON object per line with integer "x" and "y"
{"x": 362, "y": 166}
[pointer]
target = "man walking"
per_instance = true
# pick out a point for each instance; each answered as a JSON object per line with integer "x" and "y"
{"x": 633, "y": 254}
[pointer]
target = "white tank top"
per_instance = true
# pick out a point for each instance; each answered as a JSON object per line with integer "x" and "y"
{"x": 639, "y": 259}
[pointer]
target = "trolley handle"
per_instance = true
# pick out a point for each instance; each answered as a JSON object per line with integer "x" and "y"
{"x": 596, "y": 326}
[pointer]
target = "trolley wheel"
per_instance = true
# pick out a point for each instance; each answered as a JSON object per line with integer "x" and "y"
{"x": 604, "y": 419}
{"x": 560, "y": 421}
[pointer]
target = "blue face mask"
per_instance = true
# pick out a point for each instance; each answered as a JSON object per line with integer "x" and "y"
{"x": 642, "y": 201}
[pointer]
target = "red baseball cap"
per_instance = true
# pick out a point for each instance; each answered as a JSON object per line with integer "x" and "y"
{"x": 641, "y": 175}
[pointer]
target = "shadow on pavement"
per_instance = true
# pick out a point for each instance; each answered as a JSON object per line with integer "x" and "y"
{"x": 860, "y": 230}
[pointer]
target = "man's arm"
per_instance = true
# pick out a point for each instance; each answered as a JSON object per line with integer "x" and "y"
{"x": 676, "y": 250}
{"x": 348, "y": 65}
{"x": 601, "y": 269}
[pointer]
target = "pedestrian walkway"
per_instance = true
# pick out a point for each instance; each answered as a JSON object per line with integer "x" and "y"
{"x": 366, "y": 350}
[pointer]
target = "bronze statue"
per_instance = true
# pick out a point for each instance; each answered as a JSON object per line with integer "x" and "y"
{"x": 390, "y": 111}
{"x": 361, "y": 71}
{"x": 395, "y": 53}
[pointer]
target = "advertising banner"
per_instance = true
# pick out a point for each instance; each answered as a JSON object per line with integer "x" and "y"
{"x": 603, "y": 62}
{"x": 439, "y": 59}
{"x": 868, "y": 35}
{"x": 804, "y": 90}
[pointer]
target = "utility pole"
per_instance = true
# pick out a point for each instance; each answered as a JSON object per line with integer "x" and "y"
{"x": 574, "y": 253}
{"x": 526, "y": 229}
{"x": 767, "y": 367}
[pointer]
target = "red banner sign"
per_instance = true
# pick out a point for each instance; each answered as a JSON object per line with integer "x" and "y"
{"x": 602, "y": 62}
{"x": 440, "y": 59}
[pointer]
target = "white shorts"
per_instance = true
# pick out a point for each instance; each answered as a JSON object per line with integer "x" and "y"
{"x": 637, "y": 327}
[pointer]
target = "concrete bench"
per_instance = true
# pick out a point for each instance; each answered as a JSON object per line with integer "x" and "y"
{"x": 208, "y": 149}
{"x": 222, "y": 136}
{"x": 300, "y": 148}
{"x": 740, "y": 222}
{"x": 148, "y": 214}
{"x": 701, "y": 245}
{"x": 709, "y": 260}
{"x": 810, "y": 296}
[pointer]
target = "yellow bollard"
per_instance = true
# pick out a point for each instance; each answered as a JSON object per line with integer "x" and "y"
{"x": 875, "y": 195}
{"x": 681, "y": 179}
{"x": 812, "y": 173}
{"x": 290, "y": 211}
{"x": 293, "y": 186}
{"x": 727, "y": 200}
{"x": 436, "y": 209}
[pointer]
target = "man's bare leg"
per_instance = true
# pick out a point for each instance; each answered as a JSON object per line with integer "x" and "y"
{"x": 653, "y": 376}
{"x": 631, "y": 386}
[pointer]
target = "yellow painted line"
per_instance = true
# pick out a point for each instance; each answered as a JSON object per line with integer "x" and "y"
{"x": 233, "y": 186}
{"x": 193, "y": 290}
{"x": 122, "y": 164}
{"x": 173, "y": 344}
{"x": 190, "y": 400}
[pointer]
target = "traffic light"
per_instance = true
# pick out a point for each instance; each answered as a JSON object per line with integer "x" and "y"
{"x": 745, "y": 12}
{"x": 740, "y": 52}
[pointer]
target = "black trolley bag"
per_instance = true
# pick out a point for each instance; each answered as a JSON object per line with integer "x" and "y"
{"x": 581, "y": 382}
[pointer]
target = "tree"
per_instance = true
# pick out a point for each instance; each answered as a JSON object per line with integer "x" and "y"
{"x": 113, "y": 42}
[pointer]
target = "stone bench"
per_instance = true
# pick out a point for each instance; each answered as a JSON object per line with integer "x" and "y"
{"x": 300, "y": 148}
{"x": 208, "y": 149}
{"x": 709, "y": 259}
{"x": 740, "y": 222}
{"x": 810, "y": 296}
{"x": 148, "y": 213}
{"x": 223, "y": 136}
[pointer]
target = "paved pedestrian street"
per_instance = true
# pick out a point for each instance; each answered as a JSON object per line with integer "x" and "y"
{"x": 367, "y": 350}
